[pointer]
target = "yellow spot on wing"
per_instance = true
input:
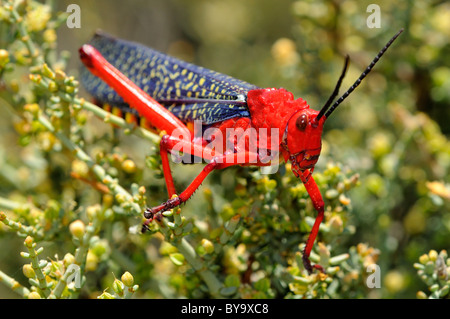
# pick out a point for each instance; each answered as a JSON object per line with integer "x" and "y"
{"x": 173, "y": 76}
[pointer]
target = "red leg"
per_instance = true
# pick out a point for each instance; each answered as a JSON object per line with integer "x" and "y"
{"x": 316, "y": 197}
{"x": 166, "y": 167}
{"x": 217, "y": 162}
{"x": 168, "y": 143}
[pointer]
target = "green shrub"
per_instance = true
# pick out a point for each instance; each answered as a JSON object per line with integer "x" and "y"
{"x": 73, "y": 189}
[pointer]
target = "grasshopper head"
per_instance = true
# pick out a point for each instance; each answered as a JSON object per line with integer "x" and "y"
{"x": 303, "y": 133}
{"x": 302, "y": 139}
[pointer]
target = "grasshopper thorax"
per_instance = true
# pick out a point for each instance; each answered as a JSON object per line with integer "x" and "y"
{"x": 299, "y": 131}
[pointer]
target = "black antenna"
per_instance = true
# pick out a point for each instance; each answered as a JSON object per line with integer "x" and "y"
{"x": 363, "y": 75}
{"x": 335, "y": 92}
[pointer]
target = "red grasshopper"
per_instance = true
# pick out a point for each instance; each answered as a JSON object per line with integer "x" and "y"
{"x": 183, "y": 92}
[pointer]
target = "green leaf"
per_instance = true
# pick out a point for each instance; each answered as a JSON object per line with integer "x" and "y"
{"x": 177, "y": 259}
{"x": 232, "y": 281}
{"x": 228, "y": 291}
{"x": 262, "y": 285}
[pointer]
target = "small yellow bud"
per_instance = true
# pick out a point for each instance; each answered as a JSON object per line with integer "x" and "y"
{"x": 284, "y": 52}
{"x": 438, "y": 188}
{"x": 421, "y": 295}
{"x": 60, "y": 75}
{"x": 424, "y": 259}
{"x": 49, "y": 35}
{"x": 28, "y": 271}
{"x": 433, "y": 255}
{"x": 322, "y": 276}
{"x": 69, "y": 89}
{"x": 4, "y": 58}
{"x": 46, "y": 140}
{"x": 93, "y": 211}
{"x": 108, "y": 200}
{"x": 100, "y": 247}
{"x": 207, "y": 192}
{"x": 37, "y": 18}
{"x": 53, "y": 87}
{"x": 33, "y": 108}
{"x": 344, "y": 200}
{"x": 394, "y": 281}
{"x": 208, "y": 245}
{"x": 167, "y": 248}
{"x": 127, "y": 279}
{"x": 117, "y": 286}
{"x": 129, "y": 166}
{"x": 47, "y": 72}
{"x": 336, "y": 225}
{"x": 120, "y": 198}
{"x": 34, "y": 295}
{"x": 29, "y": 241}
{"x": 69, "y": 259}
{"x": 91, "y": 261}
{"x": 77, "y": 229}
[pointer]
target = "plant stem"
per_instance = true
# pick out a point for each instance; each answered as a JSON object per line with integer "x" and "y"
{"x": 208, "y": 276}
{"x": 186, "y": 249}
{"x": 18, "y": 227}
{"x": 42, "y": 282}
{"x": 36, "y": 58}
{"x": 97, "y": 169}
{"x": 229, "y": 229}
{"x": 80, "y": 257}
{"x": 14, "y": 285}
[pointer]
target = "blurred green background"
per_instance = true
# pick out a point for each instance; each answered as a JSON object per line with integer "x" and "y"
{"x": 392, "y": 131}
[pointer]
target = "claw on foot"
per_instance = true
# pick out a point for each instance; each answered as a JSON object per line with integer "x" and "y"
{"x": 149, "y": 213}
{"x": 156, "y": 212}
{"x": 310, "y": 268}
{"x": 144, "y": 228}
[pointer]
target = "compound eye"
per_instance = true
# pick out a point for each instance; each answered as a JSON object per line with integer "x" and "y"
{"x": 302, "y": 122}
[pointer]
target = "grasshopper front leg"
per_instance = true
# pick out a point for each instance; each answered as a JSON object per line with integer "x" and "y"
{"x": 317, "y": 200}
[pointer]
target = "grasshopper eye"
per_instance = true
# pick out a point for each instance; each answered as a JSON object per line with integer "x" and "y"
{"x": 302, "y": 122}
